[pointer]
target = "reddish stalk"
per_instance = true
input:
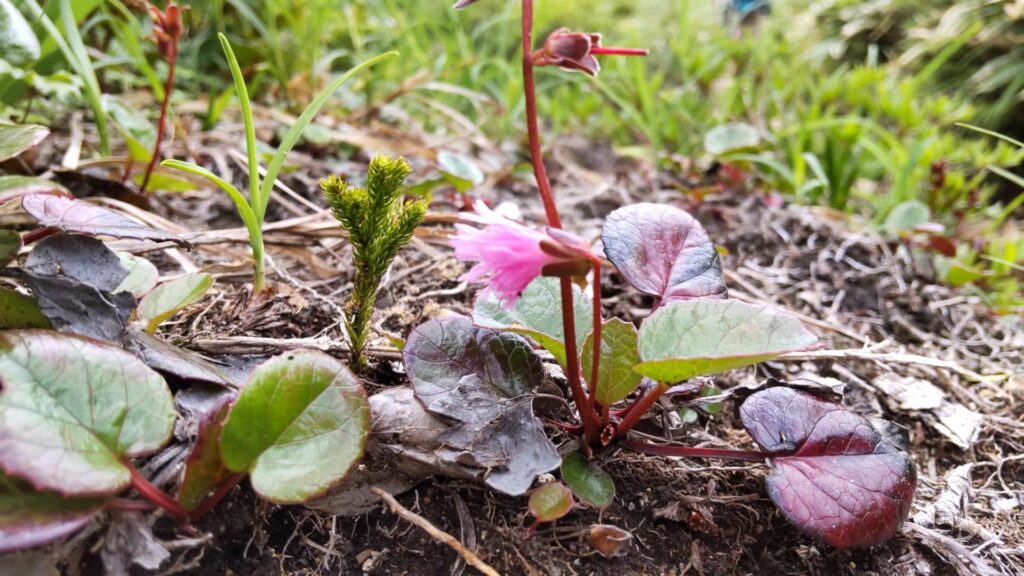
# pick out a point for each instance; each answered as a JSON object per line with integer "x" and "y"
{"x": 211, "y": 502}
{"x": 583, "y": 403}
{"x": 172, "y": 59}
{"x": 532, "y": 128}
{"x": 38, "y": 234}
{"x": 156, "y": 495}
{"x": 609, "y": 51}
{"x": 691, "y": 452}
{"x": 596, "y": 359}
{"x": 636, "y": 410}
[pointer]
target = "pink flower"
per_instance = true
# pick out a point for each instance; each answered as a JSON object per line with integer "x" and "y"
{"x": 509, "y": 255}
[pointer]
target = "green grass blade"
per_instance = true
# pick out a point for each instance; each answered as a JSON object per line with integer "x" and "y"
{"x": 250, "y": 128}
{"x": 295, "y": 132}
{"x": 992, "y": 133}
{"x": 244, "y": 210}
{"x": 85, "y": 70}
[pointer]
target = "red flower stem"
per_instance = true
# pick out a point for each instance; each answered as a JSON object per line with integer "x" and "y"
{"x": 532, "y": 129}
{"x": 691, "y": 452}
{"x": 168, "y": 88}
{"x": 38, "y": 234}
{"x": 572, "y": 366}
{"x": 156, "y": 495}
{"x": 210, "y": 503}
{"x": 597, "y": 50}
{"x": 551, "y": 211}
{"x": 640, "y": 407}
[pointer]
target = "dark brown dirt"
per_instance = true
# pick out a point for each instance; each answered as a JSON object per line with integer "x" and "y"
{"x": 686, "y": 516}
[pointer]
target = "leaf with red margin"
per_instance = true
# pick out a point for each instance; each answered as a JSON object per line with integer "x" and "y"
{"x": 835, "y": 475}
{"x": 204, "y": 469}
{"x": 663, "y": 251}
{"x": 77, "y": 217}
{"x": 29, "y": 519}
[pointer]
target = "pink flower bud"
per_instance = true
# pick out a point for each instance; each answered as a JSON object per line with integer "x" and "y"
{"x": 577, "y": 51}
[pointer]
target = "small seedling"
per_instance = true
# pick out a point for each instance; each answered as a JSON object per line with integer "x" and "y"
{"x": 254, "y": 208}
{"x": 379, "y": 223}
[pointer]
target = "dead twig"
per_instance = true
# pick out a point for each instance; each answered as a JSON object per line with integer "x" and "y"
{"x": 434, "y": 532}
{"x": 893, "y": 358}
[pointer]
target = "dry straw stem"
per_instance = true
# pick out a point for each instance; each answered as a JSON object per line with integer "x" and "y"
{"x": 435, "y": 533}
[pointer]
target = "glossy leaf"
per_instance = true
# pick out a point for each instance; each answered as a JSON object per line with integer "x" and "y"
{"x": 17, "y": 138}
{"x": 663, "y": 251}
{"x": 734, "y": 137}
{"x": 169, "y": 298}
{"x": 538, "y": 314}
{"x": 10, "y": 243}
{"x": 701, "y": 337}
{"x": 588, "y": 481}
{"x": 79, "y": 217}
{"x": 204, "y": 469}
{"x": 142, "y": 275}
{"x": 481, "y": 379}
{"x": 616, "y": 378}
{"x": 20, "y": 311}
{"x": 72, "y": 410}
{"x": 298, "y": 426}
{"x": 550, "y": 502}
{"x": 835, "y": 475}
{"x": 29, "y": 518}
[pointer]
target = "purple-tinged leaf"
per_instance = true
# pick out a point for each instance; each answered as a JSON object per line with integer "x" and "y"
{"x": 169, "y": 359}
{"x": 79, "y": 217}
{"x": 610, "y": 541}
{"x": 29, "y": 519}
{"x": 550, "y": 502}
{"x": 72, "y": 410}
{"x": 71, "y": 277}
{"x": 15, "y": 139}
{"x": 204, "y": 469}
{"x": 464, "y": 4}
{"x": 663, "y": 251}
{"x": 835, "y": 475}
{"x": 481, "y": 379}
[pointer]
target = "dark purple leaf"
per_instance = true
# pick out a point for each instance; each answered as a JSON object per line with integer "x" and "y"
{"x": 170, "y": 359}
{"x": 835, "y": 475}
{"x": 480, "y": 379}
{"x": 29, "y": 518}
{"x": 204, "y": 469}
{"x": 75, "y": 216}
{"x": 71, "y": 277}
{"x": 663, "y": 251}
{"x": 80, "y": 258}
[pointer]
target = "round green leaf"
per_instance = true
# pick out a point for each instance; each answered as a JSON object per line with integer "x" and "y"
{"x": 616, "y": 378}
{"x": 168, "y": 298}
{"x": 714, "y": 407}
{"x": 142, "y": 275}
{"x": 538, "y": 314}
{"x": 906, "y": 216}
{"x": 15, "y": 139}
{"x": 73, "y": 409}
{"x": 731, "y": 138}
{"x": 298, "y": 426}
{"x": 460, "y": 167}
{"x": 588, "y": 481}
{"x": 700, "y": 337}
{"x": 550, "y": 502}
{"x": 29, "y": 518}
{"x": 20, "y": 311}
